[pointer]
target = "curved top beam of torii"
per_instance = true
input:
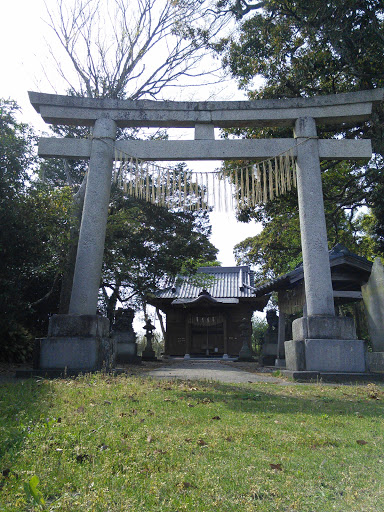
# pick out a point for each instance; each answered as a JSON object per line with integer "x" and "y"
{"x": 336, "y": 108}
{"x": 204, "y": 117}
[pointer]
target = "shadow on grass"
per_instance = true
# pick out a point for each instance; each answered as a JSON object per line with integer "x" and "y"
{"x": 310, "y": 399}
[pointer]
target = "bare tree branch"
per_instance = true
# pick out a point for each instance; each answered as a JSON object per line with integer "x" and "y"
{"x": 131, "y": 50}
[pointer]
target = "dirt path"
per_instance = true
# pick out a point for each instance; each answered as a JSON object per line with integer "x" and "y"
{"x": 213, "y": 370}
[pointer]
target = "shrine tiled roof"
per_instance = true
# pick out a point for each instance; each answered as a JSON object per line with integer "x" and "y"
{"x": 220, "y": 283}
{"x": 338, "y": 256}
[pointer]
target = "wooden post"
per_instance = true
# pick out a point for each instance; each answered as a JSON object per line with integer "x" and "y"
{"x": 280, "y": 340}
{"x": 188, "y": 333}
{"x": 225, "y": 335}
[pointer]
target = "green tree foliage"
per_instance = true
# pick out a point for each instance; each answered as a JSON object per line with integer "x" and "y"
{"x": 34, "y": 227}
{"x": 259, "y": 328}
{"x": 304, "y": 49}
{"x": 145, "y": 244}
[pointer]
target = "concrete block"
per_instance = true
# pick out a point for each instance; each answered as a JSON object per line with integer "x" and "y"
{"x": 78, "y": 325}
{"x": 295, "y": 355}
{"x": 204, "y": 131}
{"x": 126, "y": 353}
{"x": 375, "y": 361}
{"x": 330, "y": 355}
{"x": 126, "y": 348}
{"x": 324, "y": 327}
{"x": 340, "y": 377}
{"x": 77, "y": 353}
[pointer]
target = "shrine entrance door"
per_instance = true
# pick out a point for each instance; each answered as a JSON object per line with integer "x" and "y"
{"x": 207, "y": 336}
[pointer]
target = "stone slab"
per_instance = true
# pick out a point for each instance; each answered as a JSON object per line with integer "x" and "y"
{"x": 334, "y": 355}
{"x": 78, "y": 325}
{"x": 205, "y": 149}
{"x": 335, "y": 377}
{"x": 127, "y": 353}
{"x": 324, "y": 327}
{"x": 60, "y": 374}
{"x": 295, "y": 355}
{"x": 375, "y": 361}
{"x": 76, "y": 353}
{"x": 373, "y": 297}
{"x": 269, "y": 349}
{"x": 58, "y": 109}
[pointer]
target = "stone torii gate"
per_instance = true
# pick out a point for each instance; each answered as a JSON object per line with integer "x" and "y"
{"x": 321, "y": 341}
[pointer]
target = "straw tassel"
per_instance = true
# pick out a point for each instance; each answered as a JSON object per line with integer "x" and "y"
{"x": 253, "y": 201}
{"x": 270, "y": 183}
{"x": 287, "y": 172}
{"x": 225, "y": 191}
{"x": 124, "y": 178}
{"x": 179, "y": 188}
{"x": 185, "y": 190}
{"x": 198, "y": 194}
{"x": 265, "y": 190}
{"x": 147, "y": 185}
{"x": 153, "y": 198}
{"x": 213, "y": 190}
{"x": 173, "y": 186}
{"x": 248, "y": 194}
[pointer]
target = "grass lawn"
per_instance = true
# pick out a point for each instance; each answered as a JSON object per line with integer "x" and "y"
{"x": 108, "y": 444}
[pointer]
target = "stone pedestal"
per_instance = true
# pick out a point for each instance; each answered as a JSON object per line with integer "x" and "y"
{"x": 269, "y": 348}
{"x": 325, "y": 344}
{"x": 125, "y": 337}
{"x": 78, "y": 343}
{"x": 126, "y": 348}
{"x": 375, "y": 362}
{"x": 373, "y": 298}
{"x": 324, "y": 327}
{"x": 245, "y": 353}
{"x": 148, "y": 353}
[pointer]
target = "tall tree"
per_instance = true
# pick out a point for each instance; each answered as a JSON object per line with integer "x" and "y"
{"x": 33, "y": 235}
{"x": 301, "y": 48}
{"x": 124, "y": 49}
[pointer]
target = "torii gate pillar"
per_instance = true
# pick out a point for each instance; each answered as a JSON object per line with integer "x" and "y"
{"x": 90, "y": 249}
{"x": 321, "y": 341}
{"x": 80, "y": 340}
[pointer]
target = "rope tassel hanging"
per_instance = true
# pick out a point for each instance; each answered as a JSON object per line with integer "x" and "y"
{"x": 244, "y": 187}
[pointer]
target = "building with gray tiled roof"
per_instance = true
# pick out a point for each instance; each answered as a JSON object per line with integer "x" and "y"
{"x": 208, "y": 313}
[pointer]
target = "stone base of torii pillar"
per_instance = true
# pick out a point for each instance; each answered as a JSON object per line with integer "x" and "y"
{"x": 76, "y": 343}
{"x": 325, "y": 344}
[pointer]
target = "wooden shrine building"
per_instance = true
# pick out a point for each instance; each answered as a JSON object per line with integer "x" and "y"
{"x": 349, "y": 272}
{"x": 206, "y": 314}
